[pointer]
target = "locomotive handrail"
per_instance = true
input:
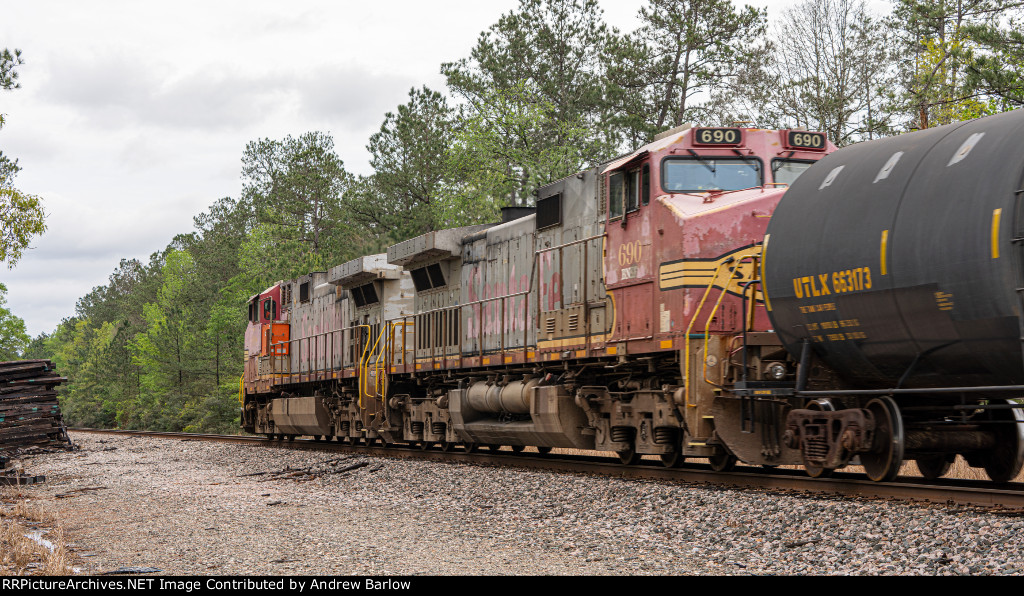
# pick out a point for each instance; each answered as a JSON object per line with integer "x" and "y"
{"x": 550, "y": 248}
{"x": 721, "y": 296}
{"x": 689, "y": 329}
{"x": 362, "y": 357}
{"x": 318, "y": 342}
{"x": 317, "y": 336}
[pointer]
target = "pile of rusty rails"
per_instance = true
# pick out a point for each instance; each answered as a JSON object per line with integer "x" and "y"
{"x": 29, "y": 412}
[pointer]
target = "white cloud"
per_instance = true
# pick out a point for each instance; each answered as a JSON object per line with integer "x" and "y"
{"x": 132, "y": 116}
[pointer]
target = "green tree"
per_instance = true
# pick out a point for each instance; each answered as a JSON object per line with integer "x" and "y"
{"x": 682, "y": 50}
{"x": 998, "y": 69}
{"x": 295, "y": 188}
{"x": 541, "y": 66}
{"x": 504, "y": 153}
{"x": 413, "y": 176}
{"x": 21, "y": 214}
{"x": 958, "y": 60}
{"x": 9, "y": 62}
{"x": 13, "y": 338}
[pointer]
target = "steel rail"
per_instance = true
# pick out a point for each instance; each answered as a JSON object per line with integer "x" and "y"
{"x": 1007, "y": 498}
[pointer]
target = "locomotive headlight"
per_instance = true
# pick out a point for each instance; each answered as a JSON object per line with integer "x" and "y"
{"x": 776, "y": 371}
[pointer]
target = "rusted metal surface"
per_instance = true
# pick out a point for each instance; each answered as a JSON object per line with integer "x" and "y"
{"x": 1007, "y": 497}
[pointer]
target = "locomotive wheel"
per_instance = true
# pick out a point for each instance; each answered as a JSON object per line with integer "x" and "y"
{"x": 1004, "y": 461}
{"x": 818, "y": 472}
{"x": 722, "y": 461}
{"x": 933, "y": 466}
{"x": 543, "y": 450}
{"x": 883, "y": 462}
{"x": 424, "y": 445}
{"x": 672, "y": 460}
{"x": 629, "y": 456}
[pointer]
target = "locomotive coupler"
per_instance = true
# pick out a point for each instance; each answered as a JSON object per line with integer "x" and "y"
{"x": 829, "y": 439}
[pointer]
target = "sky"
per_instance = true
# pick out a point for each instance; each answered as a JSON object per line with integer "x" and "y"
{"x": 132, "y": 116}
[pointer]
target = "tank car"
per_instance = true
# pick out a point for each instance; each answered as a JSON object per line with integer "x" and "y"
{"x": 893, "y": 271}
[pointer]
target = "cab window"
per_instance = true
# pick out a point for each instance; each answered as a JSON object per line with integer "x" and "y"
{"x": 697, "y": 174}
{"x": 615, "y": 186}
{"x": 269, "y": 309}
{"x": 786, "y": 171}
{"x": 628, "y": 190}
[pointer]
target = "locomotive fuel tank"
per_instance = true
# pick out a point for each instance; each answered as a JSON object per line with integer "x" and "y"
{"x": 899, "y": 261}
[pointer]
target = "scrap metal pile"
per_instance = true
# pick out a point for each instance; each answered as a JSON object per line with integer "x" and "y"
{"x": 29, "y": 412}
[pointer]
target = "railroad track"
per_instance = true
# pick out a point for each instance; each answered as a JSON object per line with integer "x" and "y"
{"x": 1005, "y": 498}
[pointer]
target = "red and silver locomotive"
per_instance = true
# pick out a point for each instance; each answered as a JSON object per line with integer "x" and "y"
{"x": 633, "y": 311}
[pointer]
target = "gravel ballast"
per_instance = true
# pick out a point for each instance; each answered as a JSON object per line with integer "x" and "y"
{"x": 201, "y": 508}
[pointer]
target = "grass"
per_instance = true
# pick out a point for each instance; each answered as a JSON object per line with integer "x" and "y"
{"x": 21, "y": 555}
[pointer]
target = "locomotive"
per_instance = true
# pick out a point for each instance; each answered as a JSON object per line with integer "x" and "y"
{"x": 716, "y": 294}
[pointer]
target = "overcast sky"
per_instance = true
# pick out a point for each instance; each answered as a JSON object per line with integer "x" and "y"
{"x": 132, "y": 116}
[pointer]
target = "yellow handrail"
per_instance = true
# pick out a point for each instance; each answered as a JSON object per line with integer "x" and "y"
{"x": 362, "y": 359}
{"x": 365, "y": 368}
{"x": 689, "y": 330}
{"x": 754, "y": 254}
{"x": 707, "y": 328}
{"x": 387, "y": 334}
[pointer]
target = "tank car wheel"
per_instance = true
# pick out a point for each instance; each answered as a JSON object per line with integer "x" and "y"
{"x": 270, "y": 436}
{"x": 722, "y": 461}
{"x": 543, "y": 450}
{"x": 629, "y": 456}
{"x": 517, "y": 448}
{"x": 672, "y": 460}
{"x": 425, "y": 445}
{"x": 933, "y": 466}
{"x": 883, "y": 462}
{"x": 491, "y": 447}
{"x": 470, "y": 447}
{"x": 447, "y": 446}
{"x": 1004, "y": 461}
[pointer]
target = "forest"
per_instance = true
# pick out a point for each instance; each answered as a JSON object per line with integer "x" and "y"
{"x": 547, "y": 90}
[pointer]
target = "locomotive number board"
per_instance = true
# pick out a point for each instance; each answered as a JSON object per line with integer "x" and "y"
{"x": 798, "y": 139}
{"x": 718, "y": 136}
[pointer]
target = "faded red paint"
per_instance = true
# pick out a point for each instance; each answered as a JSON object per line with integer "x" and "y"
{"x": 677, "y": 226}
